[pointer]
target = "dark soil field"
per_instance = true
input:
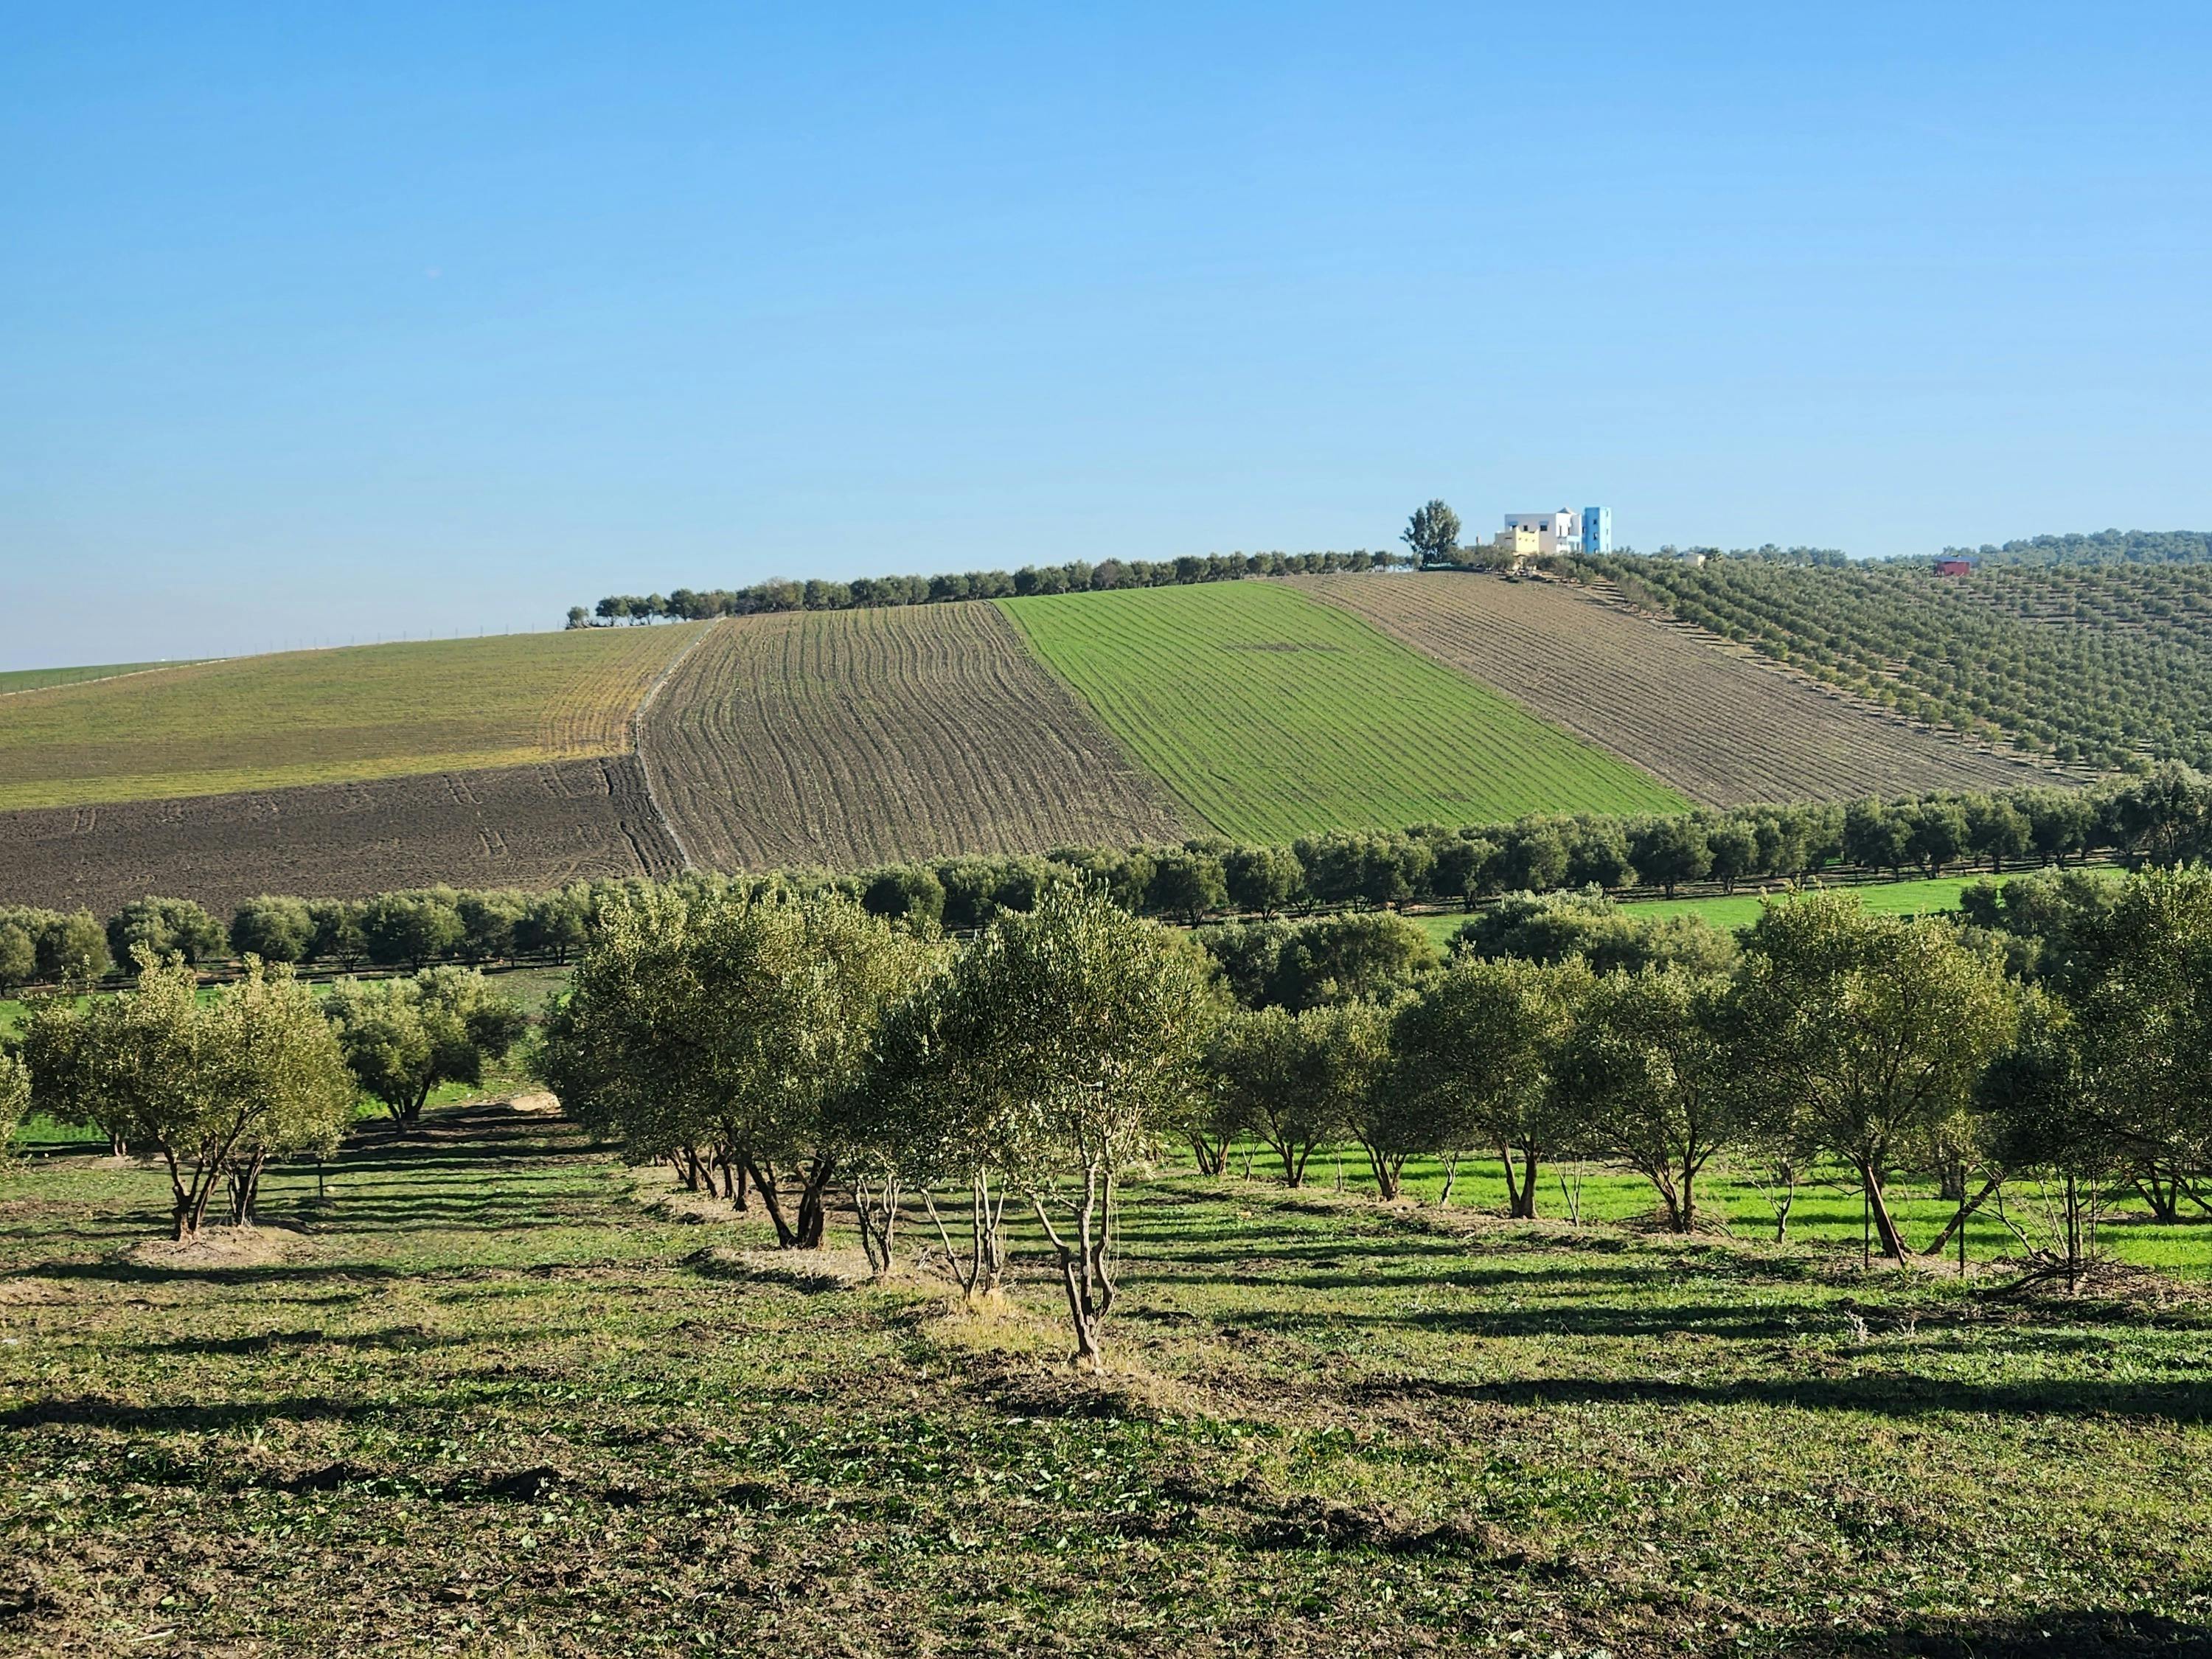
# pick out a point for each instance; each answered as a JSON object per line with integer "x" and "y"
{"x": 851, "y": 737}
{"x": 1722, "y": 729}
{"x": 495, "y": 1394}
{"x": 523, "y": 826}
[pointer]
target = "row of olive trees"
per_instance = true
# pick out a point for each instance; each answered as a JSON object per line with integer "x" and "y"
{"x": 869, "y": 593}
{"x": 217, "y": 1084}
{"x": 803, "y": 1047}
{"x": 2163, "y": 819}
{"x": 1881, "y": 1044}
{"x": 214, "y": 1086}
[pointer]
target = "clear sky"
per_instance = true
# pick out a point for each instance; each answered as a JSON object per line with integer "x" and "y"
{"x": 320, "y": 323}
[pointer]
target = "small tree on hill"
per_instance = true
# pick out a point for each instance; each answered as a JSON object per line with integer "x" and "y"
{"x": 1432, "y": 532}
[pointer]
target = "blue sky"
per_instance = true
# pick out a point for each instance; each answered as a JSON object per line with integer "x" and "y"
{"x": 331, "y": 323}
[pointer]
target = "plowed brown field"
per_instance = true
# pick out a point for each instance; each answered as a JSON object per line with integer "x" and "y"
{"x": 1724, "y": 731}
{"x": 850, "y": 737}
{"x": 524, "y": 826}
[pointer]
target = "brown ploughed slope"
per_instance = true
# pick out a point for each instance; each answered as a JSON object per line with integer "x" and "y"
{"x": 1721, "y": 728}
{"x": 857, "y": 736}
{"x": 520, "y": 826}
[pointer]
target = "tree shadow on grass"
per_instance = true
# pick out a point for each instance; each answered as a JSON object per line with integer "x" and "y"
{"x": 1890, "y": 1395}
{"x": 2052, "y": 1633}
{"x": 205, "y": 1416}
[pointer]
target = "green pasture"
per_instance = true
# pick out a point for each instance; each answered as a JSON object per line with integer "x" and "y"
{"x": 489, "y": 1394}
{"x": 1270, "y": 716}
{"x": 347, "y": 714}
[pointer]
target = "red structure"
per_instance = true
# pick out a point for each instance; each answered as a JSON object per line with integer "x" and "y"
{"x": 1954, "y": 567}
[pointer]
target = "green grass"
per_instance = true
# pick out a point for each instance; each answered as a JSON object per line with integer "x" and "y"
{"x": 1270, "y": 716}
{"x": 482, "y": 1400}
{"x": 1933, "y": 896}
{"x": 342, "y": 715}
{"x": 35, "y": 679}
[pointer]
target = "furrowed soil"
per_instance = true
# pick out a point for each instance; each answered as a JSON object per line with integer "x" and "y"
{"x": 491, "y": 1395}
{"x": 858, "y": 737}
{"x": 532, "y": 827}
{"x": 345, "y": 715}
{"x": 1721, "y": 728}
{"x": 1271, "y": 715}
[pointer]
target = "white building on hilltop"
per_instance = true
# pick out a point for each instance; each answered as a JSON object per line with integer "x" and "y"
{"x": 1589, "y": 531}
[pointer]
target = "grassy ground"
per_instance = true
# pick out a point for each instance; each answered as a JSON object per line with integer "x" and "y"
{"x": 1932, "y": 896}
{"x": 483, "y": 1400}
{"x": 330, "y": 716}
{"x": 1270, "y": 715}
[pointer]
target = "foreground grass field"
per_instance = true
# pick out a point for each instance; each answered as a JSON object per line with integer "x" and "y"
{"x": 305, "y": 717}
{"x": 1270, "y": 716}
{"x": 483, "y": 1399}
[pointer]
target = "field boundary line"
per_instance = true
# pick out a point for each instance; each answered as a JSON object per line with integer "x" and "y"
{"x": 637, "y": 739}
{"x": 106, "y": 679}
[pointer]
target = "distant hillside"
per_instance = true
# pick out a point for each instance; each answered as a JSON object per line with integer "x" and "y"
{"x": 2104, "y": 547}
{"x": 2095, "y": 665}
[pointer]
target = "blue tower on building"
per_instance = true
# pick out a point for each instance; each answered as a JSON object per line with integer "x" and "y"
{"x": 1597, "y": 529}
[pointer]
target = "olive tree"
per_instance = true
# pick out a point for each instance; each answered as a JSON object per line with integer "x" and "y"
{"x": 736, "y": 1018}
{"x": 1869, "y": 1031}
{"x": 15, "y": 1099}
{"x": 1646, "y": 1078}
{"x": 215, "y": 1087}
{"x": 1086, "y": 1025}
{"x": 403, "y": 1038}
{"x": 1474, "y": 1050}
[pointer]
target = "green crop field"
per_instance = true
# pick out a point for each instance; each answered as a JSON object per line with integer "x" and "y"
{"x": 342, "y": 716}
{"x": 481, "y": 1391}
{"x": 1270, "y": 716}
{"x": 37, "y": 679}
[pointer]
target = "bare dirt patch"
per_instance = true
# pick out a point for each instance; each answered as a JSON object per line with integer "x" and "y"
{"x": 218, "y": 1247}
{"x": 533, "y": 827}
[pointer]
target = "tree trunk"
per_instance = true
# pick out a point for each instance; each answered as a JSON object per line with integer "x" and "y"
{"x": 813, "y": 1214}
{"x": 1892, "y": 1244}
{"x": 1966, "y": 1207}
{"x": 772, "y": 1198}
{"x": 1451, "y": 1174}
{"x": 1387, "y": 1169}
{"x": 2161, "y": 1190}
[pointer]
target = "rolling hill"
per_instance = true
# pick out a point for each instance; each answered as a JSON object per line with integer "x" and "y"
{"x": 1258, "y": 709}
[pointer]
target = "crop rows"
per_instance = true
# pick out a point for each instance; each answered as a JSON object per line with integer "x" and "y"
{"x": 852, "y": 736}
{"x": 1272, "y": 716}
{"x": 531, "y": 827}
{"x": 1724, "y": 731}
{"x": 308, "y": 717}
{"x": 2091, "y": 666}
